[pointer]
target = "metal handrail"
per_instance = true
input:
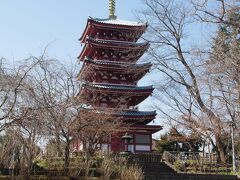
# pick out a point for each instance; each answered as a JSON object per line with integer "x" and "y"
{"x": 203, "y": 158}
{"x": 199, "y": 160}
{"x": 169, "y": 158}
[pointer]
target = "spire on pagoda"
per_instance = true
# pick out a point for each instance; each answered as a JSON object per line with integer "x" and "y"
{"x": 112, "y": 9}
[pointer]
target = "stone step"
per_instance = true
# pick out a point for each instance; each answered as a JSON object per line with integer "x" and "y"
{"x": 177, "y": 176}
{"x": 156, "y": 171}
{"x": 156, "y": 167}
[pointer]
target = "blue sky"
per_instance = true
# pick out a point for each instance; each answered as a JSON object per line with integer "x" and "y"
{"x": 28, "y": 26}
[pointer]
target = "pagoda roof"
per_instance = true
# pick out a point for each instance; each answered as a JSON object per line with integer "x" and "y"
{"x": 136, "y": 113}
{"x": 117, "y": 43}
{"x": 117, "y": 22}
{"x": 118, "y": 63}
{"x": 122, "y": 112}
{"x": 116, "y": 67}
{"x": 111, "y": 44}
{"x": 120, "y": 87}
{"x": 130, "y": 95}
{"x": 134, "y": 117}
{"x": 146, "y": 128}
{"x": 110, "y": 23}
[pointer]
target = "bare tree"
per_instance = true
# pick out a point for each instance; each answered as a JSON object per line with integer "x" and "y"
{"x": 101, "y": 125}
{"x": 20, "y": 117}
{"x": 181, "y": 67}
{"x": 216, "y": 12}
{"x": 11, "y": 81}
{"x": 223, "y": 66}
{"x": 41, "y": 101}
{"x": 54, "y": 90}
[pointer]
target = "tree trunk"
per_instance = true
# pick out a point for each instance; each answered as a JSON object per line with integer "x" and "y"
{"x": 220, "y": 148}
{"x": 58, "y": 144}
{"x": 238, "y": 91}
{"x": 195, "y": 92}
{"x": 66, "y": 158}
{"x": 218, "y": 130}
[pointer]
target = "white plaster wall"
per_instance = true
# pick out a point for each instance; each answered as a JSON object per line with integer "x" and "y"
{"x": 142, "y": 148}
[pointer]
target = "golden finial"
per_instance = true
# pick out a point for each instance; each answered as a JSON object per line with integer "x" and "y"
{"x": 112, "y": 9}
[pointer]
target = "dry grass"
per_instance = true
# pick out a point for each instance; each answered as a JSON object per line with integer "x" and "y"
{"x": 108, "y": 167}
{"x": 133, "y": 172}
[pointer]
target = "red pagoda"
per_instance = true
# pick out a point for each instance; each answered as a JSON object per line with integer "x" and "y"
{"x": 110, "y": 73}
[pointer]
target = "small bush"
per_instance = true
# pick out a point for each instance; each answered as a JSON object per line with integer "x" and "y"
{"x": 179, "y": 166}
{"x": 42, "y": 164}
{"x": 191, "y": 163}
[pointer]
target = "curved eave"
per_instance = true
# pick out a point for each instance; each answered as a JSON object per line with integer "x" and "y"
{"x": 99, "y": 66}
{"x": 109, "y": 44}
{"x": 147, "y": 128}
{"x": 127, "y": 114}
{"x": 114, "y": 43}
{"x": 142, "y": 121}
{"x": 107, "y": 24}
{"x": 118, "y": 64}
{"x": 86, "y": 31}
{"x": 137, "y": 119}
{"x": 119, "y": 88}
{"x": 86, "y": 73}
{"x": 130, "y": 97}
{"x": 136, "y": 114}
{"x": 137, "y": 122}
{"x": 83, "y": 52}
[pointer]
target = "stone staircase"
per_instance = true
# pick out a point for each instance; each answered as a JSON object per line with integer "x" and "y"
{"x": 155, "y": 169}
{"x": 160, "y": 171}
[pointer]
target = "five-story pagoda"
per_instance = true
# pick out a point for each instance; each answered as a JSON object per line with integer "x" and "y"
{"x": 110, "y": 75}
